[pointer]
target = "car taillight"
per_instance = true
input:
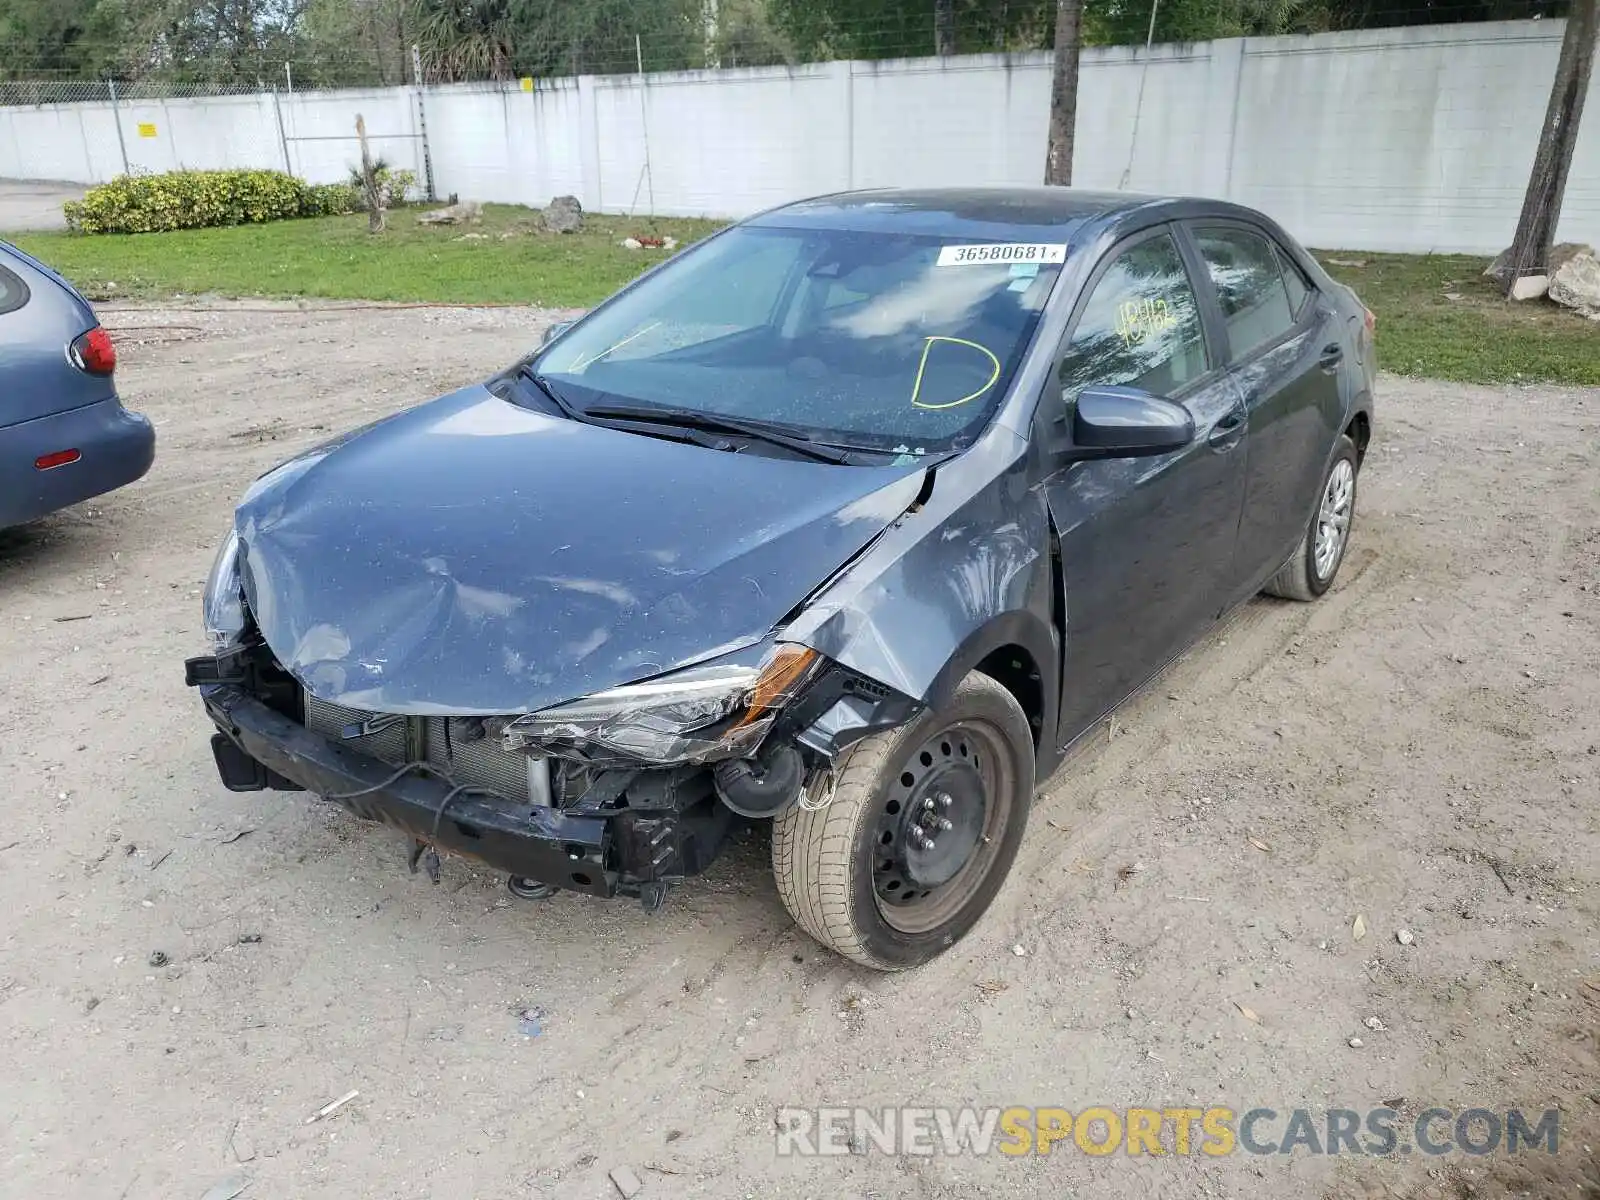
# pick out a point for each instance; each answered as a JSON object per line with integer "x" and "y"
{"x": 93, "y": 352}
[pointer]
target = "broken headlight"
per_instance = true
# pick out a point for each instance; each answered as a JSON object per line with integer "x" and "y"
{"x": 697, "y": 715}
{"x": 223, "y": 602}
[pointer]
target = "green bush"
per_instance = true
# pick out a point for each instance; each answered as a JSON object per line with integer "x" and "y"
{"x": 393, "y": 185}
{"x": 330, "y": 199}
{"x": 196, "y": 199}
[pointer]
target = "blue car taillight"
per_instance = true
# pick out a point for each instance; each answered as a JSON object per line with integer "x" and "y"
{"x": 93, "y": 352}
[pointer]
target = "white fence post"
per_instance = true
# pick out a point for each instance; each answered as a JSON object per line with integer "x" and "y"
{"x": 116, "y": 115}
{"x": 589, "y": 145}
{"x": 283, "y": 139}
{"x": 846, "y": 72}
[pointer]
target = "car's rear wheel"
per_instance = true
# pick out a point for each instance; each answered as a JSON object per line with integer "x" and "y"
{"x": 1311, "y": 569}
{"x": 918, "y": 833}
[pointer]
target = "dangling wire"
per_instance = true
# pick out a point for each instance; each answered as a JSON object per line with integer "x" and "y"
{"x": 424, "y": 768}
{"x": 826, "y": 784}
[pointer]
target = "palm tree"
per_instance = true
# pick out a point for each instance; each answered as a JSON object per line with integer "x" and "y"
{"x": 464, "y": 39}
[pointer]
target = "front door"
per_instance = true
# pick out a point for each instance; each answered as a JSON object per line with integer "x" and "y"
{"x": 1145, "y": 543}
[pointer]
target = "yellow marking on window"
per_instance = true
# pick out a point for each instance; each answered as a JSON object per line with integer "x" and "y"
{"x": 1138, "y": 319}
{"x": 922, "y": 366}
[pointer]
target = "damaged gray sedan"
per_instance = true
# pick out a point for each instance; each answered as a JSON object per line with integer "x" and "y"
{"x": 850, "y": 518}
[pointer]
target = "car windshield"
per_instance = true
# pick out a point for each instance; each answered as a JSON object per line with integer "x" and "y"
{"x": 867, "y": 339}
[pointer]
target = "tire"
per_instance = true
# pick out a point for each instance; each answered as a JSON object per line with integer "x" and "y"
{"x": 856, "y": 891}
{"x": 1300, "y": 578}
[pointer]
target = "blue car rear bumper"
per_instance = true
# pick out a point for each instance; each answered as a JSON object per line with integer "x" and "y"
{"x": 115, "y": 447}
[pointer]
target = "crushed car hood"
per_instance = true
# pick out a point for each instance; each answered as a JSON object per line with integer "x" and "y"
{"x": 478, "y": 558}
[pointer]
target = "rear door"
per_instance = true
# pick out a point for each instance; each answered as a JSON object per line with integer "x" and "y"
{"x": 1145, "y": 543}
{"x": 39, "y": 319}
{"x": 1284, "y": 348}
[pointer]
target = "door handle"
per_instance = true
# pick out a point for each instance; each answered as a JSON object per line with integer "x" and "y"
{"x": 1332, "y": 355}
{"x": 1228, "y": 430}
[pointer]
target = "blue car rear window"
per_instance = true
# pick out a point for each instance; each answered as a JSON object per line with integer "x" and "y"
{"x": 13, "y": 292}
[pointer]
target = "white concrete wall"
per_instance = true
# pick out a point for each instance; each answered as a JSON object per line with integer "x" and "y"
{"x": 722, "y": 143}
{"x": 511, "y": 146}
{"x": 1401, "y": 139}
{"x": 1407, "y": 138}
{"x": 319, "y": 133}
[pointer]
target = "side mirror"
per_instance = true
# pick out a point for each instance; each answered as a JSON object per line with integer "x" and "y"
{"x": 552, "y": 332}
{"x": 1123, "y": 422}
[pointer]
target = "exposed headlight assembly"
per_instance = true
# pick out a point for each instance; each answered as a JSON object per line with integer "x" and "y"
{"x": 223, "y": 603}
{"x": 698, "y": 715}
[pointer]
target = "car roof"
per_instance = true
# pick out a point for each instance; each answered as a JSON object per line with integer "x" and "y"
{"x": 1009, "y": 213}
{"x": 1046, "y": 214}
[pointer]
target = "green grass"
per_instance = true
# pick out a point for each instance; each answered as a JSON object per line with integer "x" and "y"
{"x": 506, "y": 258}
{"x": 1439, "y": 317}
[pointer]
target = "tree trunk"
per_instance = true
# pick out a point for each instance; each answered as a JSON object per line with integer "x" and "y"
{"x": 944, "y": 27}
{"x": 1547, "y": 183}
{"x": 369, "y": 181}
{"x": 1064, "y": 93}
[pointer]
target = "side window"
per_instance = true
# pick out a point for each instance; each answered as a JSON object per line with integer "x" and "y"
{"x": 1140, "y": 326}
{"x": 13, "y": 292}
{"x": 1294, "y": 279}
{"x": 1250, "y": 288}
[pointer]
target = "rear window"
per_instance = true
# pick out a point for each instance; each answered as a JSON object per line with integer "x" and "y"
{"x": 1294, "y": 280}
{"x": 13, "y": 292}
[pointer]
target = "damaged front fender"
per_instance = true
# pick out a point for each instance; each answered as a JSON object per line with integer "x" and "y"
{"x": 955, "y": 584}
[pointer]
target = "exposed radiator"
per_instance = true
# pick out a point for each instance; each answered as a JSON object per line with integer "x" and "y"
{"x": 513, "y": 775}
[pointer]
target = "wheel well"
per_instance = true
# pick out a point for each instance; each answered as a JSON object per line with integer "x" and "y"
{"x": 1360, "y": 432}
{"x": 1014, "y": 669}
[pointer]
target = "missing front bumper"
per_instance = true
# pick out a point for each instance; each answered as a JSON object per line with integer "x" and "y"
{"x": 602, "y": 854}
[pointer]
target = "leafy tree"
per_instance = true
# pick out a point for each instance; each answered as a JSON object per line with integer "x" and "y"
{"x": 355, "y": 42}
{"x": 867, "y": 29}
{"x": 72, "y": 37}
{"x": 466, "y": 39}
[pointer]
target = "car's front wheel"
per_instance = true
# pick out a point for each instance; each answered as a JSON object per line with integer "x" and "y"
{"x": 908, "y": 849}
{"x": 1310, "y": 570}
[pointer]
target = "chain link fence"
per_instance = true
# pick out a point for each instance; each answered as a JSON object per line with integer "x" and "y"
{"x": 92, "y": 131}
{"x": 77, "y": 91}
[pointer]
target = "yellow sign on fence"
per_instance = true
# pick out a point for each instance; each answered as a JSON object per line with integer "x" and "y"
{"x": 527, "y": 83}
{"x": 147, "y": 129}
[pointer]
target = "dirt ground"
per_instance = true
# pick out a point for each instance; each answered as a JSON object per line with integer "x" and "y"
{"x": 1419, "y": 749}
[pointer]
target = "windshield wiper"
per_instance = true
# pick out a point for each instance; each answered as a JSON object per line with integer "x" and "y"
{"x": 544, "y": 385}
{"x": 716, "y": 423}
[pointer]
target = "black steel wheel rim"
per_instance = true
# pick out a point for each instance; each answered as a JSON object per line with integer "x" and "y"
{"x": 939, "y": 826}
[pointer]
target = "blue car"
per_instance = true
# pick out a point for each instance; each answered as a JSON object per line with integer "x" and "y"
{"x": 64, "y": 435}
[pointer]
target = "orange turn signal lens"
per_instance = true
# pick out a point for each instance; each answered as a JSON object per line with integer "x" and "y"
{"x": 784, "y": 669}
